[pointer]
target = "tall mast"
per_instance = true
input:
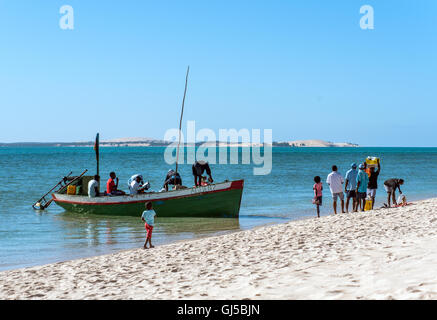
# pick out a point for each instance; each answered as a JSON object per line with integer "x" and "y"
{"x": 180, "y": 122}
{"x": 96, "y": 148}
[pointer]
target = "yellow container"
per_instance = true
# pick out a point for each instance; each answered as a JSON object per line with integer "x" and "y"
{"x": 372, "y": 161}
{"x": 71, "y": 190}
{"x": 368, "y": 205}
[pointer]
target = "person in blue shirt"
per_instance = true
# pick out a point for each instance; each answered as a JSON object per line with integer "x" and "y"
{"x": 362, "y": 182}
{"x": 350, "y": 187}
{"x": 148, "y": 217}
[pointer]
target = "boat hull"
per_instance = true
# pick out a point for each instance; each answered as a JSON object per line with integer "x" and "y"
{"x": 217, "y": 200}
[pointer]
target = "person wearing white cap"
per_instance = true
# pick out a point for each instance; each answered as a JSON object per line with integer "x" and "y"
{"x": 362, "y": 182}
{"x": 350, "y": 186}
{"x": 137, "y": 185}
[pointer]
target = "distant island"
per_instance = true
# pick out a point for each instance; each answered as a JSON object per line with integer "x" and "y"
{"x": 150, "y": 142}
{"x": 320, "y": 143}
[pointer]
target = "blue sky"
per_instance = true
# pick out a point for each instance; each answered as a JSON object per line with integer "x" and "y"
{"x": 302, "y": 68}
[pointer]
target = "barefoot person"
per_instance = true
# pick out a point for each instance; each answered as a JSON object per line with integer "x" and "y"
{"x": 335, "y": 181}
{"x": 362, "y": 182}
{"x": 318, "y": 189}
{"x": 390, "y": 186}
{"x": 373, "y": 183}
{"x": 350, "y": 187}
{"x": 148, "y": 217}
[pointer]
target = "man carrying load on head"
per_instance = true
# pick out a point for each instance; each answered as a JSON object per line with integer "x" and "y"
{"x": 373, "y": 182}
{"x": 199, "y": 167}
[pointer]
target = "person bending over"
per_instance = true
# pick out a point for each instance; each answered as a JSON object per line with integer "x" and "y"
{"x": 390, "y": 186}
{"x": 199, "y": 167}
{"x": 173, "y": 178}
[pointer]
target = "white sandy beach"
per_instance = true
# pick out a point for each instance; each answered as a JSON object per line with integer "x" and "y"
{"x": 382, "y": 254}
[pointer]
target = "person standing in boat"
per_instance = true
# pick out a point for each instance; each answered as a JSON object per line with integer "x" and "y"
{"x": 93, "y": 187}
{"x": 112, "y": 186}
{"x": 172, "y": 178}
{"x": 199, "y": 167}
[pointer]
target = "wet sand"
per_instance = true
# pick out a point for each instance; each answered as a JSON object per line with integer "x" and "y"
{"x": 380, "y": 254}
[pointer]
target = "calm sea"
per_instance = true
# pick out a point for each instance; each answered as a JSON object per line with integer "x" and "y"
{"x": 28, "y": 237}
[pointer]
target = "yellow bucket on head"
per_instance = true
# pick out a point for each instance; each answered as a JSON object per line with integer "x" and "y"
{"x": 368, "y": 205}
{"x": 372, "y": 161}
{"x": 71, "y": 190}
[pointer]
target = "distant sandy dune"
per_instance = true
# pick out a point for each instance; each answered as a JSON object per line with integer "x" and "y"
{"x": 320, "y": 143}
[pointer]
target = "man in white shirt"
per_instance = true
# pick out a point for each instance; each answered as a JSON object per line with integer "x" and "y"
{"x": 335, "y": 181}
{"x": 93, "y": 187}
{"x": 136, "y": 186}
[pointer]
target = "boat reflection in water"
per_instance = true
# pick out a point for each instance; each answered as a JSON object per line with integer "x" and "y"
{"x": 117, "y": 233}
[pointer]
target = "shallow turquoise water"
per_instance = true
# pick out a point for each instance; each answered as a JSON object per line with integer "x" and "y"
{"x": 31, "y": 238}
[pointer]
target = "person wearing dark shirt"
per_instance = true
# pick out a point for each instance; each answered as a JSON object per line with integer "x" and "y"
{"x": 373, "y": 183}
{"x": 199, "y": 167}
{"x": 172, "y": 178}
{"x": 390, "y": 186}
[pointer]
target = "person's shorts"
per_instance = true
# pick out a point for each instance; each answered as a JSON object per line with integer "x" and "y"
{"x": 361, "y": 195}
{"x": 336, "y": 195}
{"x": 351, "y": 194}
{"x": 371, "y": 193}
{"x": 319, "y": 199}
{"x": 388, "y": 189}
{"x": 149, "y": 230}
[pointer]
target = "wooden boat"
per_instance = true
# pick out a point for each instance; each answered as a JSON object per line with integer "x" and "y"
{"x": 214, "y": 200}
